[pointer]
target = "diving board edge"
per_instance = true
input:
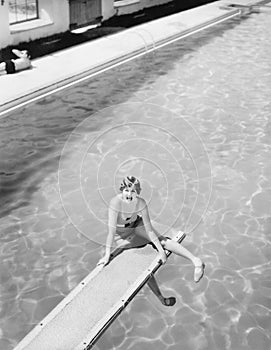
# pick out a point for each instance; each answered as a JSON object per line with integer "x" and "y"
{"x": 87, "y": 341}
{"x": 115, "y": 311}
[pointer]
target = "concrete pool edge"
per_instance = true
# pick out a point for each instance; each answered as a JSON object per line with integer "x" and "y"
{"x": 40, "y": 89}
{"x": 151, "y": 266}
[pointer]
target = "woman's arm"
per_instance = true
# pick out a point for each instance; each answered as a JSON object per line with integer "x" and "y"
{"x": 112, "y": 224}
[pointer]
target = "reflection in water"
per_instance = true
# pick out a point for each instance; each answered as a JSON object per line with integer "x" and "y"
{"x": 192, "y": 121}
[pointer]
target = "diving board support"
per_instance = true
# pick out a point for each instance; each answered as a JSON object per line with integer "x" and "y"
{"x": 78, "y": 321}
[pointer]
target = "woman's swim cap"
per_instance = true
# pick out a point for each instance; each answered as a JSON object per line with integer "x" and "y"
{"x": 130, "y": 182}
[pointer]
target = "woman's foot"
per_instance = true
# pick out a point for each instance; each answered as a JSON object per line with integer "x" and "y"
{"x": 199, "y": 272}
{"x": 168, "y": 301}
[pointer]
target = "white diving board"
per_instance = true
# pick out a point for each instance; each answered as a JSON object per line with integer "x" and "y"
{"x": 79, "y": 320}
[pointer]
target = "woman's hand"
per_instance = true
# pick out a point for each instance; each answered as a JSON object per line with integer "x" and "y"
{"x": 162, "y": 256}
{"x": 103, "y": 261}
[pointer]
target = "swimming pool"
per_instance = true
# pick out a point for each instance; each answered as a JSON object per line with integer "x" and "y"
{"x": 192, "y": 120}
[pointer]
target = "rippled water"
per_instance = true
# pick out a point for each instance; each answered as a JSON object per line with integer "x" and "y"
{"x": 193, "y": 121}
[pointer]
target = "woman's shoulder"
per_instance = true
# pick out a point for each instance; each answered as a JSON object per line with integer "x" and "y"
{"x": 141, "y": 203}
{"x": 141, "y": 199}
{"x": 115, "y": 202}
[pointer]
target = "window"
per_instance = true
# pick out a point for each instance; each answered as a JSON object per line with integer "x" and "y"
{"x": 22, "y": 10}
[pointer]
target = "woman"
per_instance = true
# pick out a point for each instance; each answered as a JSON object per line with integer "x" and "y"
{"x": 14, "y": 65}
{"x": 130, "y": 226}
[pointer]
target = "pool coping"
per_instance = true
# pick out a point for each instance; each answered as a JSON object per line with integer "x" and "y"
{"x": 145, "y": 42}
{"x": 40, "y": 83}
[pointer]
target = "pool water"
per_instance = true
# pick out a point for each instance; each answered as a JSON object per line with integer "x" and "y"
{"x": 192, "y": 120}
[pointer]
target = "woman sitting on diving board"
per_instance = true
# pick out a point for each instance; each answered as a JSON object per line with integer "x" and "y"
{"x": 130, "y": 226}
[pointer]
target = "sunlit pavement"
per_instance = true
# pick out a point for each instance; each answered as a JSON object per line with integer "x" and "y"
{"x": 61, "y": 68}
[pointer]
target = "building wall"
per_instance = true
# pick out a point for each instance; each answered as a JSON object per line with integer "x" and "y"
{"x": 108, "y": 10}
{"x": 4, "y": 25}
{"x": 54, "y": 18}
{"x": 125, "y": 7}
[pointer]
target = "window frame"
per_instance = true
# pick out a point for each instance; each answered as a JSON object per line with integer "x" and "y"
{"x": 26, "y": 19}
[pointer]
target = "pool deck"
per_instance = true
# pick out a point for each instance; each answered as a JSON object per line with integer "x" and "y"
{"x": 70, "y": 66}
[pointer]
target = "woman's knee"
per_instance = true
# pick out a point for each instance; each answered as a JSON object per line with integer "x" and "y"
{"x": 165, "y": 242}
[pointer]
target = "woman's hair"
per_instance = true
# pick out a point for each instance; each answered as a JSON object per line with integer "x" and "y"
{"x": 130, "y": 181}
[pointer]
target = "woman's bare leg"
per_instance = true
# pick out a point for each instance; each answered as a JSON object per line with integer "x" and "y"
{"x": 170, "y": 245}
{"x": 178, "y": 249}
{"x": 156, "y": 290}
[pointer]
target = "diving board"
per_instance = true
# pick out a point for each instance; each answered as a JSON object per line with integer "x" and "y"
{"x": 80, "y": 319}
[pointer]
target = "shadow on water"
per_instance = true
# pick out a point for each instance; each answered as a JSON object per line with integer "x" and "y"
{"x": 32, "y": 137}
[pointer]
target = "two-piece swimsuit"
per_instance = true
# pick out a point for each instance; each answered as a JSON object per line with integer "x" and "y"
{"x": 124, "y": 233}
{"x": 130, "y": 221}
{"x": 10, "y": 67}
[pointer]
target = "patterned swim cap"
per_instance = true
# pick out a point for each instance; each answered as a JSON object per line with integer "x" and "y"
{"x": 129, "y": 182}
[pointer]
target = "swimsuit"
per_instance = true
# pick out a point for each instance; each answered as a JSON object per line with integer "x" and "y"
{"x": 125, "y": 233}
{"x": 128, "y": 222}
{"x": 124, "y": 221}
{"x": 10, "y": 67}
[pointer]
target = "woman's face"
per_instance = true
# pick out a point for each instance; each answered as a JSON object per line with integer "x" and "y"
{"x": 129, "y": 194}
